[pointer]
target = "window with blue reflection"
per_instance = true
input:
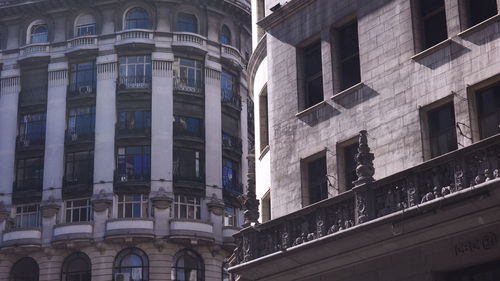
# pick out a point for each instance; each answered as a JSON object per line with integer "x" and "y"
{"x": 39, "y": 33}
{"x": 188, "y": 126}
{"x": 137, "y": 18}
{"x": 83, "y": 77}
{"x": 134, "y": 120}
{"x": 32, "y": 129}
{"x": 225, "y": 35}
{"x": 134, "y": 163}
{"x": 81, "y": 121}
{"x": 186, "y": 23}
{"x": 229, "y": 175}
{"x": 227, "y": 85}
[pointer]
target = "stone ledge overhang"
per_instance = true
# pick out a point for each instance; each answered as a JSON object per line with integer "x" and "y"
{"x": 130, "y": 228}
{"x": 471, "y": 209}
{"x": 283, "y": 12}
{"x": 227, "y": 234}
{"x": 182, "y": 229}
{"x": 72, "y": 232}
{"x": 30, "y": 237}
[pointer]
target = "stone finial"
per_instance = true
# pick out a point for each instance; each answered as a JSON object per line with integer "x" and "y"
{"x": 249, "y": 200}
{"x": 364, "y": 160}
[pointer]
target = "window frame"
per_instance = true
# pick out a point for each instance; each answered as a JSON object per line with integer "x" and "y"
{"x": 90, "y": 27}
{"x": 70, "y": 209}
{"x": 308, "y": 183}
{"x": 343, "y": 58}
{"x": 144, "y": 267}
{"x": 186, "y": 26}
{"x": 67, "y": 275}
{"x": 73, "y": 126}
{"x": 342, "y": 163}
{"x": 225, "y": 35}
{"x": 20, "y": 183}
{"x": 420, "y": 35}
{"x": 133, "y": 80}
{"x": 145, "y": 155}
{"x": 27, "y": 121}
{"x": 85, "y": 68}
{"x": 192, "y": 209}
{"x": 305, "y": 55}
{"x": 126, "y": 201}
{"x": 199, "y": 158}
{"x": 190, "y": 75}
{"x": 29, "y": 274}
{"x": 143, "y": 22}
{"x": 34, "y": 216}
{"x": 70, "y": 160}
{"x": 38, "y": 37}
{"x": 200, "y": 267}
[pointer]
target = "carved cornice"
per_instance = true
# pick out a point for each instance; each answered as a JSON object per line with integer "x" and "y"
{"x": 283, "y": 13}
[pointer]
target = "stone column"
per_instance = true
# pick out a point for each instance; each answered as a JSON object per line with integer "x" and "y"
{"x": 161, "y": 140}
{"x": 9, "y": 95}
{"x": 54, "y": 148}
{"x": 213, "y": 150}
{"x": 104, "y": 153}
{"x": 244, "y": 136}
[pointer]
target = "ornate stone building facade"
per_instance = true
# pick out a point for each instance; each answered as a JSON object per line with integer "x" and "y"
{"x": 378, "y": 151}
{"x": 126, "y": 127}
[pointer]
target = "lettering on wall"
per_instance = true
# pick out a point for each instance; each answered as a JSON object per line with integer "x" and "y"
{"x": 485, "y": 242}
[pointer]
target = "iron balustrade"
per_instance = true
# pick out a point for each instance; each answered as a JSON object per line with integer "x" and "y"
{"x": 139, "y": 130}
{"x": 82, "y": 89}
{"x": 233, "y": 188}
{"x": 231, "y": 98}
{"x": 77, "y": 135}
{"x": 457, "y": 171}
{"x": 231, "y": 143}
{"x": 183, "y": 129}
{"x": 30, "y": 184}
{"x": 128, "y": 176}
{"x": 89, "y": 180}
{"x": 134, "y": 82}
{"x": 28, "y": 141}
{"x": 193, "y": 86}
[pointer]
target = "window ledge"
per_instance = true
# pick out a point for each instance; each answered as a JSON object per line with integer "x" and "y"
{"x": 479, "y": 26}
{"x": 432, "y": 49}
{"x": 264, "y": 152}
{"x": 311, "y": 109}
{"x": 348, "y": 91}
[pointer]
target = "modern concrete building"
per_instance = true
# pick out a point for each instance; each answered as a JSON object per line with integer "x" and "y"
{"x": 415, "y": 195}
{"x": 125, "y": 130}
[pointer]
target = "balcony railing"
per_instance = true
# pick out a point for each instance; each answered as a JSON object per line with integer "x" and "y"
{"x": 457, "y": 172}
{"x": 134, "y": 82}
{"x": 36, "y": 48}
{"x": 83, "y": 41}
{"x": 124, "y": 177}
{"x": 33, "y": 96}
{"x": 183, "y": 130}
{"x": 87, "y": 180}
{"x": 140, "y": 34}
{"x": 231, "y": 143}
{"x": 132, "y": 131}
{"x": 80, "y": 90}
{"x": 189, "y": 38}
{"x": 231, "y": 98}
{"x": 231, "y": 53}
{"x": 79, "y": 135}
{"x": 29, "y": 141}
{"x": 188, "y": 85}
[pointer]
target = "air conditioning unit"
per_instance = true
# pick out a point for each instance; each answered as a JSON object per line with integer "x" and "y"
{"x": 26, "y": 142}
{"x": 122, "y": 277}
{"x": 85, "y": 90}
{"x": 123, "y": 178}
{"x": 74, "y": 136}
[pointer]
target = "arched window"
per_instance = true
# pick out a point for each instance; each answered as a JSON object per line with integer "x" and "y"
{"x": 186, "y": 23}
{"x": 85, "y": 25}
{"x": 76, "y": 267}
{"x": 188, "y": 266}
{"x": 131, "y": 263}
{"x": 39, "y": 33}
{"x": 226, "y": 276}
{"x": 25, "y": 269}
{"x": 137, "y": 18}
{"x": 225, "y": 35}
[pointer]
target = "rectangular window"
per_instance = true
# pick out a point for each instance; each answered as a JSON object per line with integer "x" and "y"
{"x": 188, "y": 75}
{"x": 81, "y": 123}
{"x": 231, "y": 143}
{"x": 83, "y": 77}
{"x": 187, "y": 207}
{"x": 78, "y": 210}
{"x": 317, "y": 181}
{"x": 188, "y": 127}
{"x": 133, "y": 206}
{"x": 479, "y": 11}
{"x": 349, "y": 55}
{"x": 433, "y": 22}
{"x": 135, "y": 72}
{"x": 313, "y": 74}
{"x": 229, "y": 216}
{"x": 442, "y": 133}
{"x": 32, "y": 129}
{"x": 28, "y": 216}
{"x": 264, "y": 121}
{"x": 87, "y": 29}
{"x": 79, "y": 168}
{"x": 228, "y": 89}
{"x": 230, "y": 179}
{"x": 133, "y": 163}
{"x": 188, "y": 165}
{"x": 29, "y": 173}
{"x": 349, "y": 155}
{"x": 266, "y": 206}
{"x": 488, "y": 103}
{"x": 134, "y": 122}
{"x": 34, "y": 86}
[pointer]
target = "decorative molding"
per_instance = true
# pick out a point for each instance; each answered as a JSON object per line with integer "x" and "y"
{"x": 102, "y": 201}
{"x": 58, "y": 78}
{"x": 161, "y": 199}
{"x": 212, "y": 75}
{"x": 106, "y": 71}
{"x": 50, "y": 207}
{"x": 162, "y": 68}
{"x": 10, "y": 85}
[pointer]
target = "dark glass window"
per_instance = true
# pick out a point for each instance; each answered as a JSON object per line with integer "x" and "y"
{"x": 134, "y": 163}
{"x": 188, "y": 266}
{"x": 228, "y": 88}
{"x": 225, "y": 35}
{"x": 32, "y": 129}
{"x": 186, "y": 23}
{"x": 317, "y": 181}
{"x": 432, "y": 13}
{"x": 188, "y": 126}
{"x": 78, "y": 210}
{"x": 76, "y": 267}
{"x": 488, "y": 101}
{"x": 79, "y": 168}
{"x": 442, "y": 133}
{"x": 83, "y": 78}
{"x": 39, "y": 34}
{"x": 349, "y": 55}
{"x": 34, "y": 86}
{"x": 190, "y": 75}
{"x": 25, "y": 269}
{"x": 230, "y": 216}
{"x": 350, "y": 152}
{"x": 29, "y": 173}
{"x": 187, "y": 207}
{"x": 132, "y": 263}
{"x": 481, "y": 10}
{"x": 230, "y": 180}
{"x": 135, "y": 72}
{"x": 264, "y": 121}
{"x": 134, "y": 121}
{"x": 484, "y": 272}
{"x": 231, "y": 143}
{"x": 188, "y": 164}
{"x": 313, "y": 74}
{"x": 133, "y": 206}
{"x": 81, "y": 123}
{"x": 137, "y": 18}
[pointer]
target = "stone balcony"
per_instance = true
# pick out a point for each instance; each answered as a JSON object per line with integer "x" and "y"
{"x": 227, "y": 234}
{"x": 185, "y": 229}
{"x": 141, "y": 38}
{"x": 438, "y": 198}
{"x": 190, "y": 41}
{"x": 231, "y": 54}
{"x": 81, "y": 231}
{"x": 130, "y": 228}
{"x": 82, "y": 44}
{"x": 33, "y": 51}
{"x": 23, "y": 237}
